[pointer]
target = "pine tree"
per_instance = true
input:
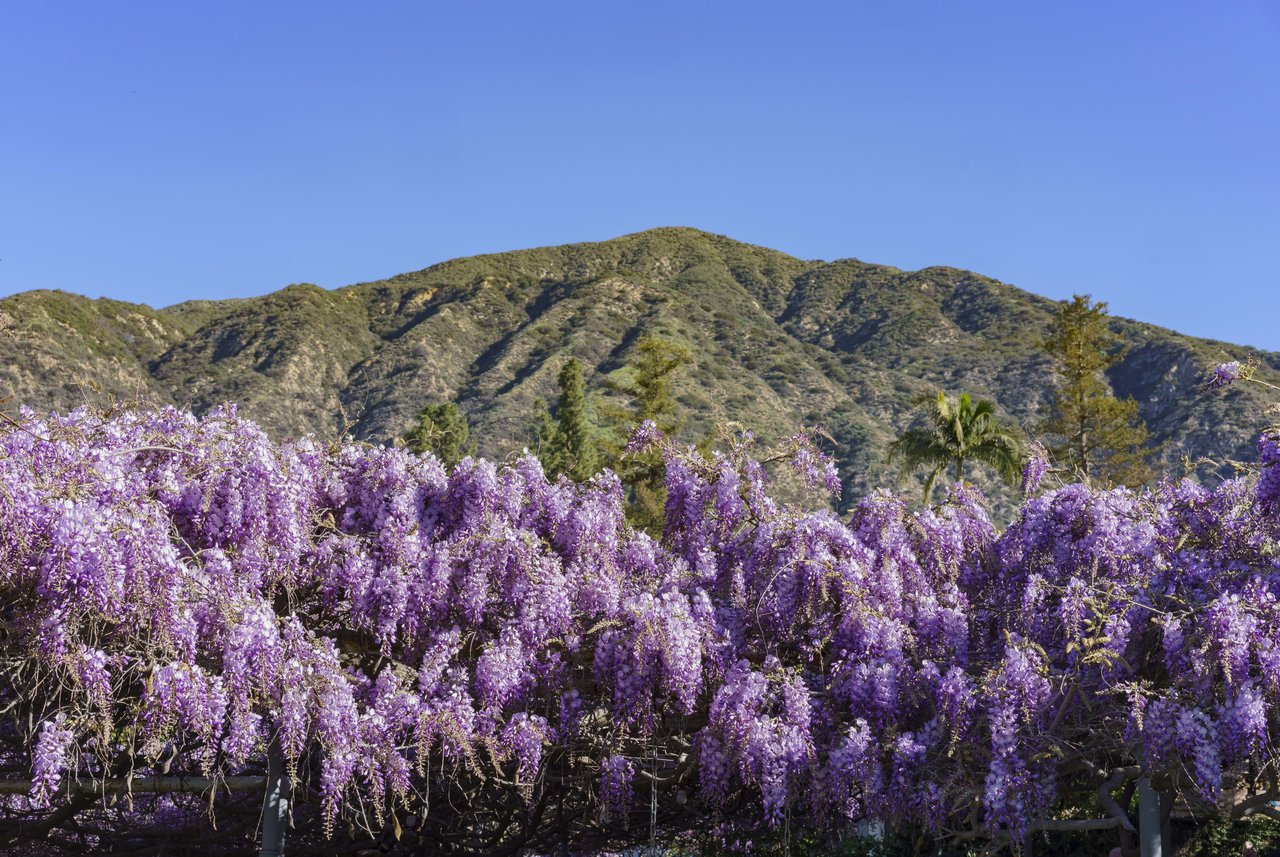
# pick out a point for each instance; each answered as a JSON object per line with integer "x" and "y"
{"x": 569, "y": 446}
{"x": 652, "y": 369}
{"x": 1089, "y": 432}
{"x": 442, "y": 431}
{"x": 647, "y": 381}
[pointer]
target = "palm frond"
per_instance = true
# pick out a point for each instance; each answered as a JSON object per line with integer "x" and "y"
{"x": 917, "y": 447}
{"x": 1002, "y": 451}
{"x": 956, "y": 430}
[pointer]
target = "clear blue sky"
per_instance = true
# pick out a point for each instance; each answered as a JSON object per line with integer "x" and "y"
{"x": 162, "y": 151}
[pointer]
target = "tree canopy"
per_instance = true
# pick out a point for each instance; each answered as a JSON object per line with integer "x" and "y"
{"x": 442, "y": 431}
{"x": 567, "y": 444}
{"x": 1090, "y": 433}
{"x": 957, "y": 431}
{"x": 646, "y": 381}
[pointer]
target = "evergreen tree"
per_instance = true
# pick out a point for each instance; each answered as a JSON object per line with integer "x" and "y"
{"x": 442, "y": 431}
{"x": 568, "y": 444}
{"x": 957, "y": 431}
{"x": 1089, "y": 432}
{"x": 652, "y": 368}
{"x": 647, "y": 381}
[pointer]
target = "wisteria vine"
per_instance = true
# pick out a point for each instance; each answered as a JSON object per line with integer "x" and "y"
{"x": 485, "y": 657}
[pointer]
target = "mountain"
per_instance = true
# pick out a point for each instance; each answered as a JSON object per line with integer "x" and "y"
{"x": 779, "y": 342}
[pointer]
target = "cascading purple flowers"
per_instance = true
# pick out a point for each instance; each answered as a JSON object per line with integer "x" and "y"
{"x": 816, "y": 468}
{"x": 49, "y": 758}
{"x": 616, "y": 775}
{"x": 1268, "y": 491}
{"x": 1017, "y": 788}
{"x": 1225, "y": 374}
{"x": 646, "y": 435}
{"x": 180, "y": 594}
{"x": 1033, "y": 472}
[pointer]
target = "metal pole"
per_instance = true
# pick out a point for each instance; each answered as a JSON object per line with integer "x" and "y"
{"x": 1166, "y": 817}
{"x": 275, "y": 810}
{"x": 1149, "y": 839}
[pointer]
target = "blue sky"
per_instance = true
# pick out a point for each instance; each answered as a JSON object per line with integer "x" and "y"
{"x": 156, "y": 152}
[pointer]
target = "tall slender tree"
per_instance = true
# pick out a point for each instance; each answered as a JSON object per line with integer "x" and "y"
{"x": 569, "y": 446}
{"x": 647, "y": 382}
{"x": 955, "y": 432}
{"x": 1090, "y": 433}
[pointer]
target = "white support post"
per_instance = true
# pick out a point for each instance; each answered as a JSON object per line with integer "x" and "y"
{"x": 1150, "y": 840}
{"x": 275, "y": 810}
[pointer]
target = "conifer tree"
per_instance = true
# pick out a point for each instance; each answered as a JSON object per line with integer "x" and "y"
{"x": 569, "y": 446}
{"x": 647, "y": 381}
{"x": 442, "y": 431}
{"x": 652, "y": 370}
{"x": 1090, "y": 433}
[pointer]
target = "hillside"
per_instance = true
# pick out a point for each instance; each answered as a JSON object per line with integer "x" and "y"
{"x": 779, "y": 342}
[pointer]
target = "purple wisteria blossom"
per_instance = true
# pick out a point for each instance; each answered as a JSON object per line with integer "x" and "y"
{"x": 180, "y": 595}
{"x": 1226, "y": 374}
{"x": 1033, "y": 472}
{"x": 645, "y": 436}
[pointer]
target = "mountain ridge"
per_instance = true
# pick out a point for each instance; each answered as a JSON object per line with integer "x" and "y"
{"x": 778, "y": 342}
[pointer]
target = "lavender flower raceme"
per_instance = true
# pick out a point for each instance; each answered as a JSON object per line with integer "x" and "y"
{"x": 183, "y": 594}
{"x": 1226, "y": 374}
{"x": 1034, "y": 470}
{"x": 50, "y": 759}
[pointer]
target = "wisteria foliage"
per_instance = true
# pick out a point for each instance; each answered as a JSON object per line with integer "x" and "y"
{"x": 179, "y": 594}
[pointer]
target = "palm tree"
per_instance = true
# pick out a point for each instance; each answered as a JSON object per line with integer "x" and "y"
{"x": 955, "y": 432}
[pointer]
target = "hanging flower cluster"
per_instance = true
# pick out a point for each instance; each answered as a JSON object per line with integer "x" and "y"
{"x": 181, "y": 594}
